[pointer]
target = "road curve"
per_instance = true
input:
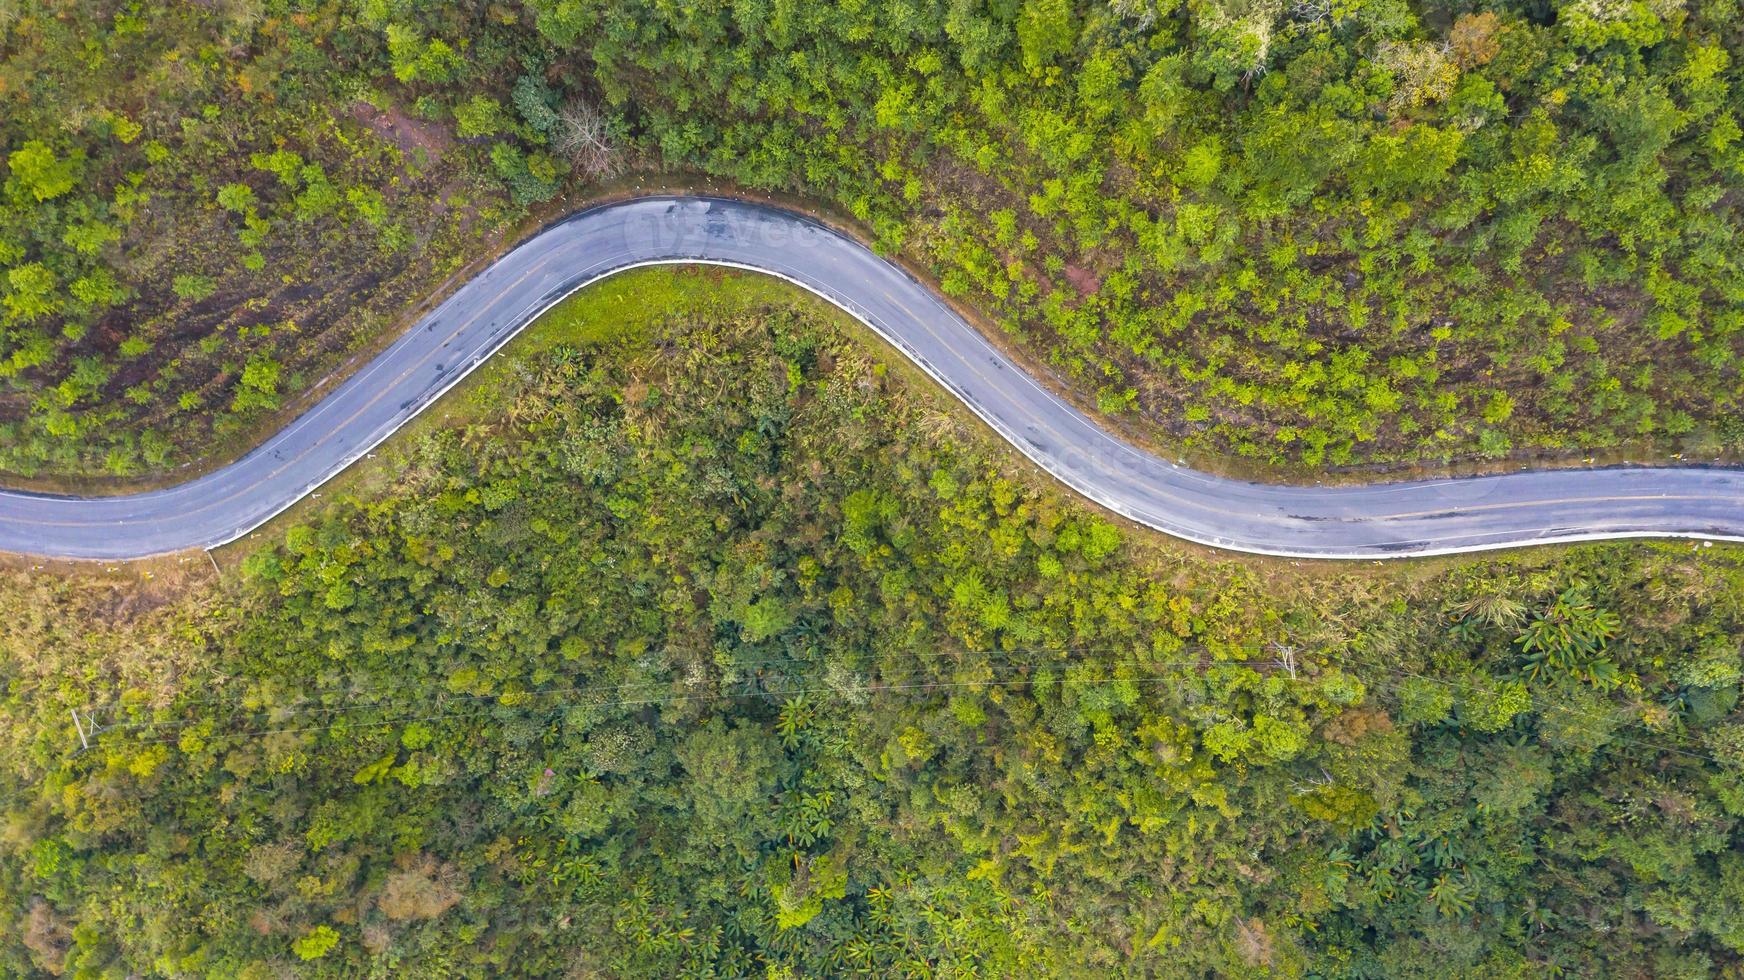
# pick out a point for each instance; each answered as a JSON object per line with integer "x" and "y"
{"x": 1376, "y": 521}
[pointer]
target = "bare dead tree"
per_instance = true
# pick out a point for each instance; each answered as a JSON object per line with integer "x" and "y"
{"x": 583, "y": 137}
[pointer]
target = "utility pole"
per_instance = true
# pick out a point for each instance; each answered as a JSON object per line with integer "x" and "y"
{"x": 84, "y": 740}
{"x": 1288, "y": 653}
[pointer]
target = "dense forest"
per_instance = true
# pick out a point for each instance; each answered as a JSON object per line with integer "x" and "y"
{"x": 698, "y": 638}
{"x": 696, "y": 641}
{"x": 1308, "y": 234}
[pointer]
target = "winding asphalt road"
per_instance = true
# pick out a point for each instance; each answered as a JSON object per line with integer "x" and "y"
{"x": 1377, "y": 521}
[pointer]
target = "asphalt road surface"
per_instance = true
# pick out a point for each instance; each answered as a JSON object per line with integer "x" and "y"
{"x": 1377, "y": 521}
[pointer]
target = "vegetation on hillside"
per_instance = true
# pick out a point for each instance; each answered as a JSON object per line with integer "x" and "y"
{"x": 1321, "y": 232}
{"x": 720, "y": 652}
{"x": 1315, "y": 233}
{"x": 202, "y": 214}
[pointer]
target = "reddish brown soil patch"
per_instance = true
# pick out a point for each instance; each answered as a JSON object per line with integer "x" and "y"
{"x": 1083, "y": 280}
{"x": 406, "y": 133}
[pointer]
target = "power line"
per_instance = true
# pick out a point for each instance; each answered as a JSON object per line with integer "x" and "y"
{"x": 1537, "y": 703}
{"x": 537, "y": 692}
{"x": 916, "y": 654}
{"x": 813, "y": 670}
{"x": 1379, "y": 692}
{"x": 718, "y": 695}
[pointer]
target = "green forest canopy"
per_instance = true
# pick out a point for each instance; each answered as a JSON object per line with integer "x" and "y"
{"x": 1309, "y": 234}
{"x": 720, "y": 650}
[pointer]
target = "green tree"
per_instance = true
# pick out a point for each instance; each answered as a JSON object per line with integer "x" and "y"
{"x": 37, "y": 171}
